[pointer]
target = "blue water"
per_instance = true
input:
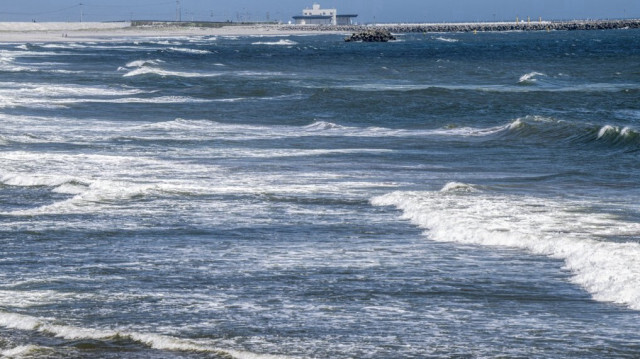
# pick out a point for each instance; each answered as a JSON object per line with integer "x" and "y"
{"x": 444, "y": 195}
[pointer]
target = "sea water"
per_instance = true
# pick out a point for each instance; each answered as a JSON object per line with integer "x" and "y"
{"x": 446, "y": 195}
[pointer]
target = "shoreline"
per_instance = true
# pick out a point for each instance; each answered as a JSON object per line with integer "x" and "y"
{"x": 16, "y": 32}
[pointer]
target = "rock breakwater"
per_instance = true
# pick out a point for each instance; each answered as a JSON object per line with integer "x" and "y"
{"x": 372, "y": 35}
{"x": 478, "y": 27}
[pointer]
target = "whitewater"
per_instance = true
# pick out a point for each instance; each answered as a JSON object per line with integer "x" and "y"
{"x": 441, "y": 196}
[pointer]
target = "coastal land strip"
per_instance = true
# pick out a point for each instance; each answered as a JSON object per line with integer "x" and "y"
{"x": 115, "y": 31}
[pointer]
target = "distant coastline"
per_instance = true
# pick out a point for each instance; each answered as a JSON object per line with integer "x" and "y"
{"x": 114, "y": 31}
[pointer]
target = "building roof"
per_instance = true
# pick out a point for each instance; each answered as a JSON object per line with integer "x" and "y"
{"x": 320, "y": 17}
{"x": 347, "y": 15}
{"x": 316, "y": 17}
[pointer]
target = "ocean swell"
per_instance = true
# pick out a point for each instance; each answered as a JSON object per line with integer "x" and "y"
{"x": 553, "y": 132}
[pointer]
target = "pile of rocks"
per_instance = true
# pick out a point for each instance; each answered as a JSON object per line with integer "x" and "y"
{"x": 375, "y": 35}
{"x": 362, "y": 32}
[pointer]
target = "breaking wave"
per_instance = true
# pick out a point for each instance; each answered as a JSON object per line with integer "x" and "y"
{"x": 545, "y": 129}
{"x": 189, "y": 51}
{"x": 537, "y": 129}
{"x": 322, "y": 126}
{"x": 458, "y": 187}
{"x": 87, "y": 195}
{"x": 155, "y": 341}
{"x": 152, "y": 67}
{"x": 23, "y": 351}
{"x": 141, "y": 63}
{"x": 446, "y": 39}
{"x": 164, "y": 73}
{"x": 530, "y": 78}
{"x": 282, "y": 42}
{"x": 619, "y": 136}
{"x": 609, "y": 270}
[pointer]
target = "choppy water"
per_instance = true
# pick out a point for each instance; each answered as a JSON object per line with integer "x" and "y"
{"x": 444, "y": 195}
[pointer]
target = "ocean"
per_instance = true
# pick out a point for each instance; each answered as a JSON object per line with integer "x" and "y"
{"x": 443, "y": 195}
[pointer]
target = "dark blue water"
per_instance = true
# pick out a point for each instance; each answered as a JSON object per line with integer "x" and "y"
{"x": 447, "y": 195}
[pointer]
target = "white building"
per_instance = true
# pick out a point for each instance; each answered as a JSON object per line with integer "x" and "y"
{"x": 318, "y": 16}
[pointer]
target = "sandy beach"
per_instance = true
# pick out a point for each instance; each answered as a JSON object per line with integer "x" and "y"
{"x": 113, "y": 31}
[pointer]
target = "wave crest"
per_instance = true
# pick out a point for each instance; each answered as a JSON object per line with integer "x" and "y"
{"x": 550, "y": 130}
{"x": 189, "y": 50}
{"x": 141, "y": 63}
{"x": 164, "y": 73}
{"x": 446, "y": 39}
{"x": 22, "y": 351}
{"x": 610, "y": 271}
{"x": 618, "y": 135}
{"x": 322, "y": 126}
{"x": 282, "y": 42}
{"x": 530, "y": 78}
{"x": 155, "y": 341}
{"x": 458, "y": 187}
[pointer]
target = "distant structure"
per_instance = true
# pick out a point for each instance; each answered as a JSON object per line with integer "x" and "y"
{"x": 319, "y": 16}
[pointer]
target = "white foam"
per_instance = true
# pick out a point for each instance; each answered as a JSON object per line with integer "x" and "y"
{"x": 317, "y": 128}
{"x": 257, "y": 73}
{"x": 94, "y": 198}
{"x": 323, "y": 125}
{"x": 446, "y": 39}
{"x": 21, "y": 351}
{"x": 37, "y": 95}
{"x": 26, "y": 299}
{"x": 164, "y": 73}
{"x": 166, "y": 42}
{"x": 609, "y": 270}
{"x": 615, "y": 131}
{"x": 158, "y": 99}
{"x": 518, "y": 123}
{"x": 141, "y": 63}
{"x": 155, "y": 341}
{"x": 62, "y": 90}
{"x": 530, "y": 77}
{"x": 606, "y": 130}
{"x": 59, "y": 46}
{"x": 281, "y": 42}
{"x": 189, "y": 51}
{"x": 459, "y": 187}
{"x": 35, "y": 180}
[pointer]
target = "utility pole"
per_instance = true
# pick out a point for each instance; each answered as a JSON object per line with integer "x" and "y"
{"x": 81, "y": 12}
{"x": 178, "y": 11}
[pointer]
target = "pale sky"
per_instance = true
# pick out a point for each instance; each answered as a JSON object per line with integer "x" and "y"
{"x": 368, "y": 10}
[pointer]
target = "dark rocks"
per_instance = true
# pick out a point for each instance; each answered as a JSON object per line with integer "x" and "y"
{"x": 359, "y": 30}
{"x": 373, "y": 35}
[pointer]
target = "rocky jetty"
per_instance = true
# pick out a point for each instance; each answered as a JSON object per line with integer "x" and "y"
{"x": 372, "y": 35}
{"x": 475, "y": 27}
